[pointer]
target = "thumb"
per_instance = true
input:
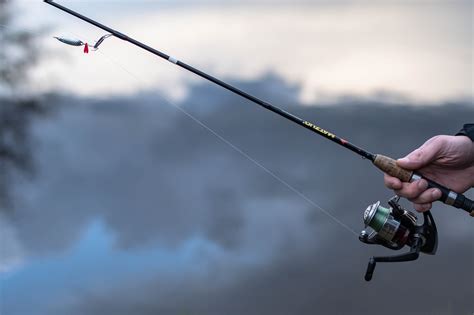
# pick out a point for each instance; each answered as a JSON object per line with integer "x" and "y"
{"x": 422, "y": 156}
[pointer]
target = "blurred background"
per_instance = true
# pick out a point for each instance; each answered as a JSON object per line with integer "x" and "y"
{"x": 114, "y": 200}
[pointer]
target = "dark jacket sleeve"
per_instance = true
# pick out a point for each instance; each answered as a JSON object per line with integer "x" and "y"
{"x": 467, "y": 130}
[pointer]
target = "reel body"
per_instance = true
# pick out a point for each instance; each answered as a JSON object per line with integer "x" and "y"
{"x": 395, "y": 228}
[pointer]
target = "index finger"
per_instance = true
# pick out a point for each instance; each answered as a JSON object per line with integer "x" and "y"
{"x": 392, "y": 182}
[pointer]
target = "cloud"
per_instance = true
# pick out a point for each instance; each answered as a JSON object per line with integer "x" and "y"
{"x": 329, "y": 49}
{"x": 157, "y": 180}
{"x": 11, "y": 253}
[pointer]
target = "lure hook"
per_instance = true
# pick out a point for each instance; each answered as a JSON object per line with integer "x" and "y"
{"x": 78, "y": 42}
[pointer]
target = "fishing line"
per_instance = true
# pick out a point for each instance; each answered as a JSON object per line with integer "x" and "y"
{"x": 393, "y": 227}
{"x": 384, "y": 163}
{"x": 233, "y": 146}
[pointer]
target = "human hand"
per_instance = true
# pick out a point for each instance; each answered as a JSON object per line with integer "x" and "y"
{"x": 448, "y": 160}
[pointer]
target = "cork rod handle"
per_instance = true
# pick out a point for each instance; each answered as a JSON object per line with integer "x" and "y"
{"x": 389, "y": 166}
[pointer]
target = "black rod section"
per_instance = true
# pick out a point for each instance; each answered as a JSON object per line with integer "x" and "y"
{"x": 281, "y": 112}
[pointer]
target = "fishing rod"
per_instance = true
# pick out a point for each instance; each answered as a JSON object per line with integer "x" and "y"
{"x": 384, "y": 163}
{"x": 392, "y": 227}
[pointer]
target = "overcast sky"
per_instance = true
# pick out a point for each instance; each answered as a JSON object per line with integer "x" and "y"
{"x": 137, "y": 209}
{"x": 391, "y": 49}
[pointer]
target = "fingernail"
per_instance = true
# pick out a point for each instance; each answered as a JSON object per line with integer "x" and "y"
{"x": 436, "y": 194}
{"x": 422, "y": 184}
{"x": 404, "y": 160}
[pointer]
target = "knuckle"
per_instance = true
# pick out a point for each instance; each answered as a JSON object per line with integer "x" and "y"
{"x": 406, "y": 193}
{"x": 418, "y": 207}
{"x": 390, "y": 184}
{"x": 439, "y": 141}
{"x": 422, "y": 207}
{"x": 412, "y": 192}
{"x": 425, "y": 197}
{"x": 436, "y": 139}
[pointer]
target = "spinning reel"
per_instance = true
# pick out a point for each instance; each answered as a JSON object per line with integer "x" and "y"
{"x": 396, "y": 227}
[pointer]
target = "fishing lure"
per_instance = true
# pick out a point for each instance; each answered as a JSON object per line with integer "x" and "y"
{"x": 79, "y": 43}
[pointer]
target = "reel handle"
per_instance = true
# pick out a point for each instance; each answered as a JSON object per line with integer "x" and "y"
{"x": 449, "y": 197}
{"x": 370, "y": 269}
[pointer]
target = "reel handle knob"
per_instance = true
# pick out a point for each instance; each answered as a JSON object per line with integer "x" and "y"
{"x": 370, "y": 269}
{"x": 449, "y": 197}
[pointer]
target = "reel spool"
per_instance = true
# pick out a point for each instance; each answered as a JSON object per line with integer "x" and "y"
{"x": 395, "y": 228}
